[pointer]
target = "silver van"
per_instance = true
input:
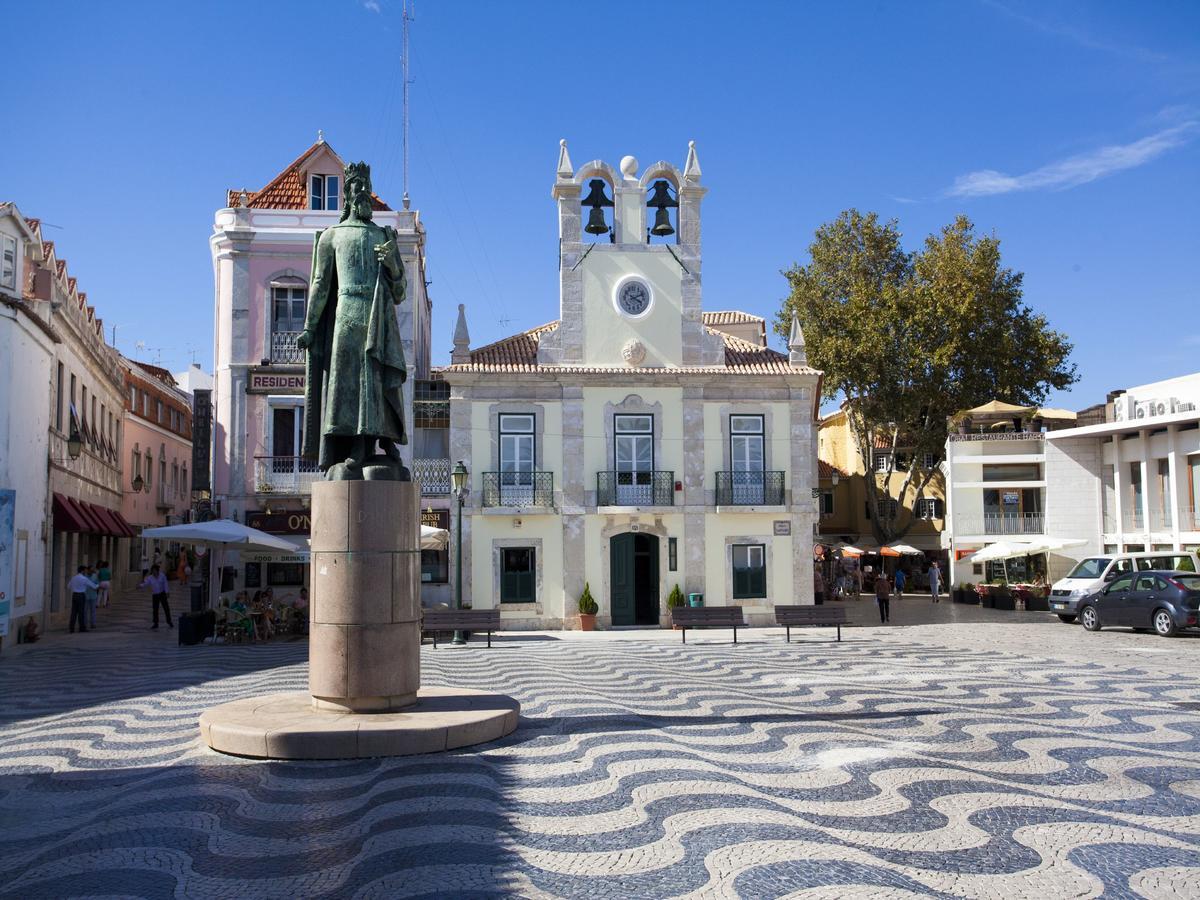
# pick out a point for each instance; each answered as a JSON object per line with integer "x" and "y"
{"x": 1091, "y": 574}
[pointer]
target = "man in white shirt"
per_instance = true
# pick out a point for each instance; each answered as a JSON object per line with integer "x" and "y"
{"x": 78, "y": 586}
{"x": 157, "y": 582}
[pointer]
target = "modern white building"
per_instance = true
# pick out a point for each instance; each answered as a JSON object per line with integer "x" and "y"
{"x": 635, "y": 442}
{"x": 1129, "y": 481}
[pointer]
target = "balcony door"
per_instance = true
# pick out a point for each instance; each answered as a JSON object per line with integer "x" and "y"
{"x": 633, "y": 455}
{"x": 289, "y": 306}
{"x": 287, "y": 425}
{"x": 517, "y": 462}
{"x": 746, "y": 459}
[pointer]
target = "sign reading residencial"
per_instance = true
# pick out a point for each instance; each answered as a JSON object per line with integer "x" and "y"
{"x": 274, "y": 381}
{"x": 783, "y": 527}
{"x": 297, "y": 522}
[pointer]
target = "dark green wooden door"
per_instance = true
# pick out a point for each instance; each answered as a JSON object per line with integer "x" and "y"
{"x": 621, "y": 579}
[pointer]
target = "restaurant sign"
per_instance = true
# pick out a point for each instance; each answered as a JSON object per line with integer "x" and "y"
{"x": 294, "y": 522}
{"x": 435, "y": 518}
{"x": 274, "y": 381}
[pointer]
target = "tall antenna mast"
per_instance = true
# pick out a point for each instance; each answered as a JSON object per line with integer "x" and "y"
{"x": 405, "y": 19}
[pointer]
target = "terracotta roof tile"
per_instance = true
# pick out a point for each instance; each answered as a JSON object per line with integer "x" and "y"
{"x": 729, "y": 317}
{"x": 47, "y": 249}
{"x": 518, "y": 353}
{"x": 288, "y": 190}
{"x": 826, "y": 470}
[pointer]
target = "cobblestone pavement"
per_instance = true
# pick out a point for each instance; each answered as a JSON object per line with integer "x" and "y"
{"x": 960, "y": 752}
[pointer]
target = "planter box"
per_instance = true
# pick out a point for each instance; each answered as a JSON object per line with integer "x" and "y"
{"x": 1002, "y": 599}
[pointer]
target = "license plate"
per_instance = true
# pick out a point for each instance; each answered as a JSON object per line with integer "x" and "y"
{"x": 1059, "y": 605}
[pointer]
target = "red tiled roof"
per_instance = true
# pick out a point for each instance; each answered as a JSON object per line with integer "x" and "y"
{"x": 729, "y": 317}
{"x": 157, "y": 371}
{"x": 826, "y": 470}
{"x": 288, "y": 190}
{"x": 518, "y": 353}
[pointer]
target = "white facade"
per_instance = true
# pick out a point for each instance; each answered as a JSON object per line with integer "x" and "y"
{"x": 635, "y": 443}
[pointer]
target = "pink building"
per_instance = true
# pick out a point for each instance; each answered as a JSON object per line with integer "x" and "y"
{"x": 261, "y": 247}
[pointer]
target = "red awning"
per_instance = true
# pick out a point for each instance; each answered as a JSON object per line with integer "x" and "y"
{"x": 67, "y": 516}
{"x": 111, "y": 528}
{"x": 89, "y": 516}
{"x": 126, "y": 528}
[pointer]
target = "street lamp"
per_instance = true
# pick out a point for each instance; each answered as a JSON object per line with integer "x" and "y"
{"x": 74, "y": 445}
{"x": 138, "y": 484}
{"x": 458, "y": 480}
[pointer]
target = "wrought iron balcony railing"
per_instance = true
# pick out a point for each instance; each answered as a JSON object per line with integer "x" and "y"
{"x": 433, "y": 475}
{"x": 749, "y": 489}
{"x": 1014, "y": 523}
{"x": 284, "y": 474}
{"x": 635, "y": 488}
{"x": 519, "y": 490}
{"x": 284, "y": 349}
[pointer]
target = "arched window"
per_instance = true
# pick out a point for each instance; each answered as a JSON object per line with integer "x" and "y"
{"x": 289, "y": 306}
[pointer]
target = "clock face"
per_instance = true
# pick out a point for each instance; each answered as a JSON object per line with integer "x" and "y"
{"x": 633, "y": 297}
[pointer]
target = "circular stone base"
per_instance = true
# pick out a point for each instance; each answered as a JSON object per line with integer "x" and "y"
{"x": 286, "y": 726}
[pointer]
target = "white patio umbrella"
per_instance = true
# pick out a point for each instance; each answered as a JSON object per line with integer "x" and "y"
{"x": 848, "y": 549}
{"x": 904, "y": 549}
{"x": 1051, "y": 544}
{"x": 220, "y": 533}
{"x": 1002, "y": 550}
{"x": 434, "y": 538}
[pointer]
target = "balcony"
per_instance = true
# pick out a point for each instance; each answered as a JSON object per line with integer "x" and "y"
{"x": 164, "y": 498}
{"x": 1014, "y": 523}
{"x": 749, "y": 489}
{"x": 1189, "y": 519}
{"x": 284, "y": 474}
{"x": 635, "y": 488}
{"x": 1133, "y": 521}
{"x": 433, "y": 475}
{"x": 518, "y": 490}
{"x": 284, "y": 350}
{"x": 1164, "y": 520}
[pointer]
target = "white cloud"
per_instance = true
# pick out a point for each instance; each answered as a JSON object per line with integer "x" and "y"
{"x": 1074, "y": 170}
{"x": 371, "y": 5}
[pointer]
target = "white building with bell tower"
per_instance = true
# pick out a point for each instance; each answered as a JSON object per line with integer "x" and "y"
{"x": 637, "y": 442}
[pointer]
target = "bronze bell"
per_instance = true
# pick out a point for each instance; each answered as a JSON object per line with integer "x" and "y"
{"x": 597, "y": 201}
{"x": 660, "y": 201}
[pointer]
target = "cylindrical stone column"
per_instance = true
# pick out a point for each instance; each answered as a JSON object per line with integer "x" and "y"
{"x": 365, "y": 638}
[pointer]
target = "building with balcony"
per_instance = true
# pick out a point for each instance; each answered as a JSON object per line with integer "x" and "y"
{"x": 61, "y": 396}
{"x": 156, "y": 480}
{"x": 261, "y": 246}
{"x": 636, "y": 442}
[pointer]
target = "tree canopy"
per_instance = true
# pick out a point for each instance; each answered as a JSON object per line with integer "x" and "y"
{"x": 911, "y": 338}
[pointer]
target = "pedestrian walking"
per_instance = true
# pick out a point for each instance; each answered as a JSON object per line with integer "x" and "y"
{"x": 935, "y": 581}
{"x": 883, "y": 597}
{"x": 104, "y": 576}
{"x": 900, "y": 578}
{"x": 157, "y": 582}
{"x": 91, "y": 596}
{"x": 78, "y": 586}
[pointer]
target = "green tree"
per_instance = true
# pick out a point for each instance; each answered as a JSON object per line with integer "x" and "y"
{"x": 909, "y": 339}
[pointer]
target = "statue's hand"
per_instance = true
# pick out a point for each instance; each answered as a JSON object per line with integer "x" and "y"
{"x": 386, "y": 251}
{"x": 304, "y": 340}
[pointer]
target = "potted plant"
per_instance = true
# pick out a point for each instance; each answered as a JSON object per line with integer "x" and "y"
{"x": 587, "y": 609}
{"x": 674, "y": 599}
{"x": 1001, "y": 595}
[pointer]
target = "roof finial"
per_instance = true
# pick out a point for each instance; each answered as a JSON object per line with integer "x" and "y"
{"x": 461, "y": 354}
{"x": 565, "y": 169}
{"x": 691, "y": 168}
{"x": 320, "y": 136}
{"x": 405, "y": 200}
{"x": 798, "y": 355}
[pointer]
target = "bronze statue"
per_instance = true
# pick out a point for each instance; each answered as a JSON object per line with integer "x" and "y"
{"x": 354, "y": 361}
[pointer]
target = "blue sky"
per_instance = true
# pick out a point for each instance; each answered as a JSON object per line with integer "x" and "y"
{"x": 1070, "y": 130}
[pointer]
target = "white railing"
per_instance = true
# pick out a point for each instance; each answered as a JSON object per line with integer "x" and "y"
{"x": 284, "y": 474}
{"x": 1014, "y": 523}
{"x": 284, "y": 349}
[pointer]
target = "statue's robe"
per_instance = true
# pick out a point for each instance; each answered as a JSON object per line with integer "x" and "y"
{"x": 355, "y": 368}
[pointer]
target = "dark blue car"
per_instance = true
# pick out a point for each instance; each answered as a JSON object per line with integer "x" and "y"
{"x": 1165, "y": 601}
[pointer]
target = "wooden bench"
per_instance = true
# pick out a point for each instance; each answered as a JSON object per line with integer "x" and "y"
{"x": 685, "y": 617}
{"x": 811, "y": 617}
{"x": 435, "y": 620}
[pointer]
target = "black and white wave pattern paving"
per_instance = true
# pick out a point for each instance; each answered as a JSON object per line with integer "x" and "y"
{"x": 878, "y": 767}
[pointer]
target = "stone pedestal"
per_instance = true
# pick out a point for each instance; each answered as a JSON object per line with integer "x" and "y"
{"x": 365, "y": 597}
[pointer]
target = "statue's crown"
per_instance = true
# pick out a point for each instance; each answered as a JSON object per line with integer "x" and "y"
{"x": 359, "y": 171}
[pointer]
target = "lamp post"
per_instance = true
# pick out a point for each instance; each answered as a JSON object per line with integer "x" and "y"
{"x": 458, "y": 480}
{"x": 74, "y": 445}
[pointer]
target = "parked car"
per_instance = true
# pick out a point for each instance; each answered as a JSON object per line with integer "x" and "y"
{"x": 1163, "y": 600}
{"x": 1093, "y": 573}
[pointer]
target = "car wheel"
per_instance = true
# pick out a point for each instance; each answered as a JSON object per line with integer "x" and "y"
{"x": 1164, "y": 623}
{"x": 1067, "y": 619}
{"x": 1089, "y": 618}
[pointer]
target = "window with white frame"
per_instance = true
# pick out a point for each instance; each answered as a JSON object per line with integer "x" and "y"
{"x": 929, "y": 461}
{"x": 517, "y": 460}
{"x": 8, "y": 262}
{"x": 289, "y": 305}
{"x": 826, "y": 500}
{"x": 886, "y": 509}
{"x": 746, "y": 459}
{"x": 633, "y": 456}
{"x": 881, "y": 460}
{"x": 749, "y": 563}
{"x": 929, "y": 508}
{"x": 324, "y": 191}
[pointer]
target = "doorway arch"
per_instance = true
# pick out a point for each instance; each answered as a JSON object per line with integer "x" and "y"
{"x": 633, "y": 559}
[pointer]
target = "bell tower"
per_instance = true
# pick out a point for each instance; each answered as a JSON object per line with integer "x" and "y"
{"x": 629, "y": 266}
